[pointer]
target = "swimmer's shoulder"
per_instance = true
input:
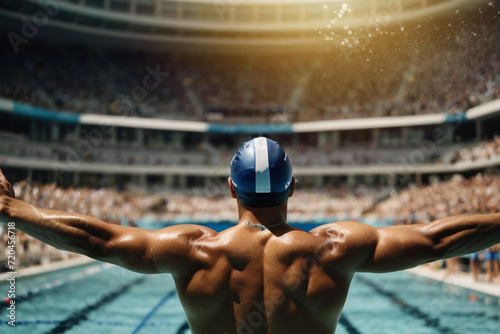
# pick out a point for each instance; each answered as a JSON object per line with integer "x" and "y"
{"x": 183, "y": 248}
{"x": 189, "y": 231}
{"x": 337, "y": 227}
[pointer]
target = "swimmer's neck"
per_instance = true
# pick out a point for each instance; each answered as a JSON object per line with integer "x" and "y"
{"x": 263, "y": 216}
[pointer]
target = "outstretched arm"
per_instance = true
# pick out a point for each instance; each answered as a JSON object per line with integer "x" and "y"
{"x": 146, "y": 251}
{"x": 402, "y": 247}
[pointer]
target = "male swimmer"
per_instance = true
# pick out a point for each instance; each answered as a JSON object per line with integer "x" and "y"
{"x": 262, "y": 275}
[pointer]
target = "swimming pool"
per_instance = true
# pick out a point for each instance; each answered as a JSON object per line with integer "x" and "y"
{"x": 99, "y": 298}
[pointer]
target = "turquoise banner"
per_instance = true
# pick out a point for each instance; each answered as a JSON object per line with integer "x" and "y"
{"x": 250, "y": 129}
{"x": 456, "y": 118}
{"x": 22, "y": 109}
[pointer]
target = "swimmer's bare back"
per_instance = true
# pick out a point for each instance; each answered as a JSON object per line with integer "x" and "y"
{"x": 249, "y": 279}
{"x": 252, "y": 280}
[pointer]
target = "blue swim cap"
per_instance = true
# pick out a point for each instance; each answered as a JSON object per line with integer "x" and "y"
{"x": 261, "y": 173}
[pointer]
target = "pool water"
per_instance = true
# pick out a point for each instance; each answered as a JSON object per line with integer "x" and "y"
{"x": 403, "y": 303}
{"x": 100, "y": 298}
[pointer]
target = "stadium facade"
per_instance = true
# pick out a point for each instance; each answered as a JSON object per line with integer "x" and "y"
{"x": 68, "y": 147}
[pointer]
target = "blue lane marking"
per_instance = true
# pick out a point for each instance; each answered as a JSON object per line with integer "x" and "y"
{"x": 413, "y": 311}
{"x": 153, "y": 311}
{"x": 24, "y": 296}
{"x": 78, "y": 316}
{"x": 349, "y": 327}
{"x": 183, "y": 328}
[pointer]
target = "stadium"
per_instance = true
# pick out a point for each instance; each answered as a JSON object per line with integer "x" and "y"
{"x": 131, "y": 111}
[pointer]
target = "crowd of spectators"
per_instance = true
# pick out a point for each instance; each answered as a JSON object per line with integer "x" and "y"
{"x": 483, "y": 151}
{"x": 82, "y": 80}
{"x": 431, "y": 66}
{"x": 194, "y": 205}
{"x": 458, "y": 195}
{"x": 205, "y": 155}
{"x": 435, "y": 65}
{"x": 239, "y": 82}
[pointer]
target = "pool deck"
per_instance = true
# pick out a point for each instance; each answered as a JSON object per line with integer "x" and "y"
{"x": 463, "y": 280}
{"x": 53, "y": 266}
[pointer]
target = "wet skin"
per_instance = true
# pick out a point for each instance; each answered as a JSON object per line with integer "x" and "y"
{"x": 251, "y": 280}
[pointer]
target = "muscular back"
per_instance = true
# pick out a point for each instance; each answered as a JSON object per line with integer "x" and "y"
{"x": 245, "y": 280}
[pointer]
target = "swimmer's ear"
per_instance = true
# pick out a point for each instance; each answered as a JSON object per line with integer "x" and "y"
{"x": 292, "y": 186}
{"x": 231, "y": 187}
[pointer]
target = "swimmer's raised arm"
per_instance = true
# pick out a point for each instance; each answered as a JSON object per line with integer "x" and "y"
{"x": 402, "y": 247}
{"x": 136, "y": 249}
{"x": 140, "y": 250}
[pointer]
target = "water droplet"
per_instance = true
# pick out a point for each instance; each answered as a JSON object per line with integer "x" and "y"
{"x": 325, "y": 7}
{"x": 329, "y": 26}
{"x": 346, "y": 27}
{"x": 402, "y": 28}
{"x": 344, "y": 7}
{"x": 339, "y": 15}
{"x": 349, "y": 32}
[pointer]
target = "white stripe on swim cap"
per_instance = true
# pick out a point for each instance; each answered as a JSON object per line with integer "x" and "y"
{"x": 262, "y": 176}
